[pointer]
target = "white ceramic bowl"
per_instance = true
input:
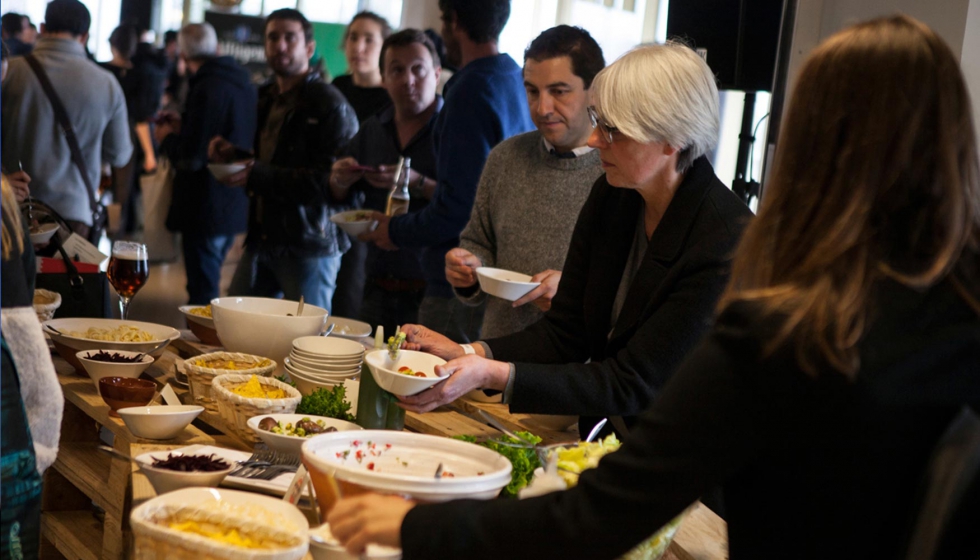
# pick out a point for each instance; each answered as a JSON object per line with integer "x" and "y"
{"x": 222, "y": 171}
{"x": 68, "y": 345}
{"x": 261, "y": 326}
{"x": 307, "y": 385}
{"x": 97, "y": 370}
{"x": 293, "y": 444}
{"x": 328, "y": 348}
{"x": 321, "y": 361}
{"x": 166, "y": 480}
{"x": 386, "y": 375}
{"x": 348, "y": 222}
{"x": 322, "y": 370}
{"x": 504, "y": 283}
{"x": 479, "y": 396}
{"x": 199, "y": 319}
{"x": 349, "y": 328}
{"x": 243, "y": 509}
{"x": 323, "y": 546}
{"x": 159, "y": 422}
{"x": 43, "y": 234}
{"x": 404, "y": 463}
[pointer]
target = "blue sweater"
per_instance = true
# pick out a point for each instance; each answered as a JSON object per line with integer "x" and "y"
{"x": 485, "y": 104}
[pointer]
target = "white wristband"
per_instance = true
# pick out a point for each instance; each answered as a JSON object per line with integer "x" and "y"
{"x": 467, "y": 349}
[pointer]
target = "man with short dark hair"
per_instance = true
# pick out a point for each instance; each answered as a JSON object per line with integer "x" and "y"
{"x": 221, "y": 102}
{"x": 484, "y": 105}
{"x": 16, "y": 33}
{"x": 392, "y": 283}
{"x": 292, "y": 248}
{"x": 96, "y": 110}
{"x": 551, "y": 166}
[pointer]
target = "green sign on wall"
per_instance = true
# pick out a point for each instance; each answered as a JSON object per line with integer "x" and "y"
{"x": 328, "y": 37}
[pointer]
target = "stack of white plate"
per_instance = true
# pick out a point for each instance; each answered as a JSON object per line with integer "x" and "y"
{"x": 318, "y": 361}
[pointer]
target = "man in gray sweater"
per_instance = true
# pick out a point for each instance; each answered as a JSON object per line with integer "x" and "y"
{"x": 534, "y": 184}
{"x": 96, "y": 109}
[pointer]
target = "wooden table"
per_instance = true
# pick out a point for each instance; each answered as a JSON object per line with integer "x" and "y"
{"x": 82, "y": 475}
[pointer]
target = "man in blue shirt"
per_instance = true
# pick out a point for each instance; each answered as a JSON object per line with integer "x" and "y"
{"x": 485, "y": 104}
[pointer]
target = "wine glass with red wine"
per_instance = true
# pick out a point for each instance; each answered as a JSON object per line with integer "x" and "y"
{"x": 128, "y": 272}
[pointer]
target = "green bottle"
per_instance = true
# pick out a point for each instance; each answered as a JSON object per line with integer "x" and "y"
{"x": 372, "y": 401}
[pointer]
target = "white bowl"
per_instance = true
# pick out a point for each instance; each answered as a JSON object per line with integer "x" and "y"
{"x": 248, "y": 507}
{"x": 386, "y": 375}
{"x": 166, "y": 480}
{"x": 199, "y": 319}
{"x": 321, "y": 361}
{"x": 405, "y": 462}
{"x": 293, "y": 444}
{"x": 43, "y": 234}
{"x": 222, "y": 171}
{"x": 320, "y": 368}
{"x": 261, "y": 326}
{"x": 159, "y": 422}
{"x": 479, "y": 396}
{"x": 97, "y": 370}
{"x": 68, "y": 345}
{"x": 505, "y": 284}
{"x": 349, "y": 328}
{"x": 307, "y": 385}
{"x": 328, "y": 548}
{"x": 328, "y": 347}
{"x": 355, "y": 227}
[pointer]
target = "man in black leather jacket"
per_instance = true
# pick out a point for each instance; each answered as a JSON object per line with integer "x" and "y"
{"x": 292, "y": 248}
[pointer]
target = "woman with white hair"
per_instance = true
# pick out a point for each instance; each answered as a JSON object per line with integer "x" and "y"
{"x": 647, "y": 261}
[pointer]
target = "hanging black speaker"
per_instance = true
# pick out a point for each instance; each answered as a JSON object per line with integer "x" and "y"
{"x": 737, "y": 38}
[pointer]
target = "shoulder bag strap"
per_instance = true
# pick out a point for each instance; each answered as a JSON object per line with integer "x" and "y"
{"x": 62, "y": 116}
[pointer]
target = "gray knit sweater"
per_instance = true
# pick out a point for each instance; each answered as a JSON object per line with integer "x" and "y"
{"x": 526, "y": 207}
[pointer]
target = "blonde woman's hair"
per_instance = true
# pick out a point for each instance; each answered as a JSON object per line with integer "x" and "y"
{"x": 13, "y": 236}
{"x": 661, "y": 93}
{"x": 876, "y": 177}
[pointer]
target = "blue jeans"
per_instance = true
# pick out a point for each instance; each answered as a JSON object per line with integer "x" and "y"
{"x": 261, "y": 274}
{"x": 203, "y": 257}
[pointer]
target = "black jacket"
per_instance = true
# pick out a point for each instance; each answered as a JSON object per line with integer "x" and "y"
{"x": 291, "y": 201}
{"x": 667, "y": 310}
{"x": 221, "y": 102}
{"x": 812, "y": 466}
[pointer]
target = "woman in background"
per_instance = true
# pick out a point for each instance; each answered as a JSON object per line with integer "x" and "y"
{"x": 847, "y": 341}
{"x": 362, "y": 47}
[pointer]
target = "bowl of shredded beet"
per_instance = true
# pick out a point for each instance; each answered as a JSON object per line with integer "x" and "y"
{"x": 113, "y": 363}
{"x": 168, "y": 470}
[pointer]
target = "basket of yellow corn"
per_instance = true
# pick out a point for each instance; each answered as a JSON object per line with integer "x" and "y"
{"x": 201, "y": 371}
{"x": 240, "y": 397}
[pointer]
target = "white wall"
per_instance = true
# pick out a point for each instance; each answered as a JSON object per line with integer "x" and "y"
{"x": 970, "y": 60}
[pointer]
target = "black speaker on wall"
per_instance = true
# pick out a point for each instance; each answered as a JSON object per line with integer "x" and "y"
{"x": 737, "y": 38}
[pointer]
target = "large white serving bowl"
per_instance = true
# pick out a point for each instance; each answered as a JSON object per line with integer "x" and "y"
{"x": 68, "y": 345}
{"x": 159, "y": 422}
{"x": 385, "y": 371}
{"x": 293, "y": 444}
{"x": 306, "y": 384}
{"x": 166, "y": 480}
{"x": 352, "y": 223}
{"x": 97, "y": 369}
{"x": 249, "y": 509}
{"x": 349, "y": 328}
{"x": 504, "y": 284}
{"x": 403, "y": 463}
{"x": 262, "y": 327}
{"x": 319, "y": 361}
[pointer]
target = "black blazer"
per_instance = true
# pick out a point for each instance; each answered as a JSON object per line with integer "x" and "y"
{"x": 668, "y": 308}
{"x": 812, "y": 466}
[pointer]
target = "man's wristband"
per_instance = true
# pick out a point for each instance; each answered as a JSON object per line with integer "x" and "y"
{"x": 467, "y": 349}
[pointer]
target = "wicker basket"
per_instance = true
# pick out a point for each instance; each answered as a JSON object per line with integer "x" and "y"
{"x": 46, "y": 303}
{"x": 235, "y": 409}
{"x": 154, "y": 540}
{"x": 200, "y": 378}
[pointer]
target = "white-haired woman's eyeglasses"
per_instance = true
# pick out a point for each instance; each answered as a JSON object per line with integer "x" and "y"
{"x": 604, "y": 129}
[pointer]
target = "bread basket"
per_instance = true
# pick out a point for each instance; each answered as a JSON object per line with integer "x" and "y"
{"x": 199, "y": 378}
{"x": 235, "y": 409}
